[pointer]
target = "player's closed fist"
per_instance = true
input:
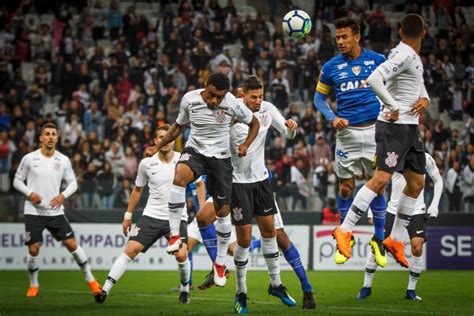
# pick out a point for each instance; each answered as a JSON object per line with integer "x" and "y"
{"x": 340, "y": 123}
{"x": 392, "y": 116}
{"x": 291, "y": 124}
{"x": 243, "y": 150}
{"x": 35, "y": 198}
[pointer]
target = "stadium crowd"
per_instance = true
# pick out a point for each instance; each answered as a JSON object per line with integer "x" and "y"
{"x": 109, "y": 74}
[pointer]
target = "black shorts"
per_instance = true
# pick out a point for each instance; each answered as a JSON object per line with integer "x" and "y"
{"x": 148, "y": 230}
{"x": 218, "y": 173}
{"x": 416, "y": 227}
{"x": 58, "y": 226}
{"x": 249, "y": 199}
{"x": 399, "y": 147}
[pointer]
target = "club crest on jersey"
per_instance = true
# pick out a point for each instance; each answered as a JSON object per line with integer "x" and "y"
{"x": 391, "y": 160}
{"x": 220, "y": 116}
{"x": 184, "y": 157}
{"x": 264, "y": 121}
{"x": 356, "y": 70}
{"x": 57, "y": 165}
{"x": 237, "y": 213}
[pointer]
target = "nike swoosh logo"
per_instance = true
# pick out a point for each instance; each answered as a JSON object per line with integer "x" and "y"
{"x": 69, "y": 234}
{"x": 267, "y": 210}
{"x": 221, "y": 197}
{"x": 419, "y": 231}
{"x": 154, "y": 172}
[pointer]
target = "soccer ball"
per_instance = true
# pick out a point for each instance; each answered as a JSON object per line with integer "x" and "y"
{"x": 296, "y": 24}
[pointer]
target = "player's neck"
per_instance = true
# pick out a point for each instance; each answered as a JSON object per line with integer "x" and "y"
{"x": 47, "y": 152}
{"x": 354, "y": 53}
{"x": 413, "y": 43}
{"x": 165, "y": 157}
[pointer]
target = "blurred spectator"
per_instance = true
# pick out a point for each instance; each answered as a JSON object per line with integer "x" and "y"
{"x": 453, "y": 184}
{"x": 105, "y": 186}
{"x": 116, "y": 158}
{"x": 468, "y": 186}
{"x": 330, "y": 213}
{"x": 122, "y": 196}
{"x": 89, "y": 187}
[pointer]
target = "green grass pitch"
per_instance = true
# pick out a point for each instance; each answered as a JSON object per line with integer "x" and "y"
{"x": 139, "y": 293}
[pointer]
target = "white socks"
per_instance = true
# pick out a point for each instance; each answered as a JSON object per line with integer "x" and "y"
{"x": 184, "y": 275}
{"x": 33, "y": 270}
{"x": 176, "y": 205}
{"x": 370, "y": 268}
{"x": 272, "y": 257}
{"x": 223, "y": 229}
{"x": 415, "y": 271}
{"x": 360, "y": 205}
{"x": 117, "y": 270}
{"x": 81, "y": 259}
{"x": 405, "y": 209}
{"x": 241, "y": 259}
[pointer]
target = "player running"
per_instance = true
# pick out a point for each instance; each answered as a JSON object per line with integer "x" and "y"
{"x": 252, "y": 195}
{"x": 210, "y": 112}
{"x": 44, "y": 169}
{"x": 399, "y": 146}
{"x": 416, "y": 228}
{"x": 157, "y": 172}
{"x": 357, "y": 111}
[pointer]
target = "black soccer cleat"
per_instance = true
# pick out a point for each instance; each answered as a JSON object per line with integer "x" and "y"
{"x": 282, "y": 293}
{"x": 308, "y": 300}
{"x": 184, "y": 297}
{"x": 100, "y": 296}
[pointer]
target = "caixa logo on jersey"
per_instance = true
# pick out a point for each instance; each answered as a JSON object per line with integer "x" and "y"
{"x": 450, "y": 247}
{"x": 342, "y": 154}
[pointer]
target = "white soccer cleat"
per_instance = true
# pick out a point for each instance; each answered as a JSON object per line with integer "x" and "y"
{"x": 174, "y": 243}
{"x": 219, "y": 274}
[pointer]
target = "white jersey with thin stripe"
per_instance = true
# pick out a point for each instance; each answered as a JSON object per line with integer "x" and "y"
{"x": 43, "y": 176}
{"x": 251, "y": 168}
{"x": 210, "y": 128}
{"x": 158, "y": 175}
{"x": 398, "y": 185}
{"x": 403, "y": 76}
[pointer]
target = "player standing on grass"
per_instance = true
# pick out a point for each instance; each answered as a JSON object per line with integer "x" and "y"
{"x": 399, "y": 146}
{"x": 416, "y": 228}
{"x": 157, "y": 172}
{"x": 357, "y": 111}
{"x": 210, "y": 112}
{"x": 252, "y": 195}
{"x": 44, "y": 169}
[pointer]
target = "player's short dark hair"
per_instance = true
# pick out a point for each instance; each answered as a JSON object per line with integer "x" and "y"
{"x": 348, "y": 22}
{"x": 48, "y": 125}
{"x": 219, "y": 80}
{"x": 412, "y": 25}
{"x": 164, "y": 127}
{"x": 252, "y": 83}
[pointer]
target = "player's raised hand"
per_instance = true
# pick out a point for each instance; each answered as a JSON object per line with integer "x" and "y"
{"x": 243, "y": 150}
{"x": 35, "y": 198}
{"x": 57, "y": 201}
{"x": 420, "y": 106}
{"x": 292, "y": 125}
{"x": 339, "y": 123}
{"x": 392, "y": 116}
{"x": 126, "y": 225}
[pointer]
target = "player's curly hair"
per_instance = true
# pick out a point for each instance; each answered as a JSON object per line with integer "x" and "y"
{"x": 252, "y": 83}
{"x": 412, "y": 25}
{"x": 218, "y": 80}
{"x": 348, "y": 22}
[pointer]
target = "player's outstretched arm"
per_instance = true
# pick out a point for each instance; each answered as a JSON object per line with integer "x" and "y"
{"x": 171, "y": 135}
{"x": 322, "y": 106}
{"x": 254, "y": 127}
{"x": 132, "y": 203}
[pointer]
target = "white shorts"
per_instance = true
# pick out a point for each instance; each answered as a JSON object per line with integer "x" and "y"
{"x": 278, "y": 221}
{"x": 355, "y": 151}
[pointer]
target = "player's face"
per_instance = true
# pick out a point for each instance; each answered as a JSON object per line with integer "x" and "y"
{"x": 165, "y": 149}
{"x": 49, "y": 138}
{"x": 346, "y": 40}
{"x": 253, "y": 99}
{"x": 212, "y": 96}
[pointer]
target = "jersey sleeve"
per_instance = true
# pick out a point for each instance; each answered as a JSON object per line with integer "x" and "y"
{"x": 396, "y": 63}
{"x": 325, "y": 82}
{"x": 431, "y": 168}
{"x": 142, "y": 178}
{"x": 183, "y": 115}
{"x": 278, "y": 121}
{"x": 22, "y": 171}
{"x": 240, "y": 111}
{"x": 68, "y": 175}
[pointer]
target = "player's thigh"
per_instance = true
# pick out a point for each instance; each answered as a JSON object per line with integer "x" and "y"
{"x": 190, "y": 166}
{"x": 393, "y": 142}
{"x": 266, "y": 226}
{"x": 219, "y": 180}
{"x": 60, "y": 228}
{"x": 148, "y": 230}
{"x": 242, "y": 202}
{"x": 264, "y": 208}
{"x": 244, "y": 235}
{"x": 34, "y": 226}
{"x": 348, "y": 153}
{"x": 207, "y": 213}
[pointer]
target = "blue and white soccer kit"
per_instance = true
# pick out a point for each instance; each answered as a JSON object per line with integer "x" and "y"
{"x": 355, "y": 145}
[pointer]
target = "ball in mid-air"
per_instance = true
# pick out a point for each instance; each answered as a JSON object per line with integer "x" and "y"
{"x": 296, "y": 24}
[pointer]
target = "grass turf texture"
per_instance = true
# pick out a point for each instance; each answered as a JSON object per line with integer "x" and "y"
{"x": 138, "y": 293}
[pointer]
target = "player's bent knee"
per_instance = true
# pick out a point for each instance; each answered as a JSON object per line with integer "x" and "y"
{"x": 346, "y": 188}
{"x": 34, "y": 249}
{"x": 417, "y": 249}
{"x": 223, "y": 210}
{"x": 70, "y": 244}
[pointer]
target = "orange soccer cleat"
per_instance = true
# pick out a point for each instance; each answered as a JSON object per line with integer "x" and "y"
{"x": 33, "y": 291}
{"x": 95, "y": 287}
{"x": 397, "y": 249}
{"x": 343, "y": 241}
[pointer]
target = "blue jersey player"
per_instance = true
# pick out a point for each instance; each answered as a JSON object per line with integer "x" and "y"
{"x": 356, "y": 112}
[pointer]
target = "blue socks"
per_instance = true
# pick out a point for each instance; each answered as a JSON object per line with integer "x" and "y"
{"x": 343, "y": 206}
{"x": 293, "y": 257}
{"x": 209, "y": 240}
{"x": 255, "y": 244}
{"x": 378, "y": 207}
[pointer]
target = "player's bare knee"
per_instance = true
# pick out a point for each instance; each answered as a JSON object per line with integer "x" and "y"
{"x": 34, "y": 249}
{"x": 70, "y": 244}
{"x": 346, "y": 189}
{"x": 244, "y": 241}
{"x": 203, "y": 220}
{"x": 223, "y": 210}
{"x": 417, "y": 249}
{"x": 182, "y": 254}
{"x": 283, "y": 240}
